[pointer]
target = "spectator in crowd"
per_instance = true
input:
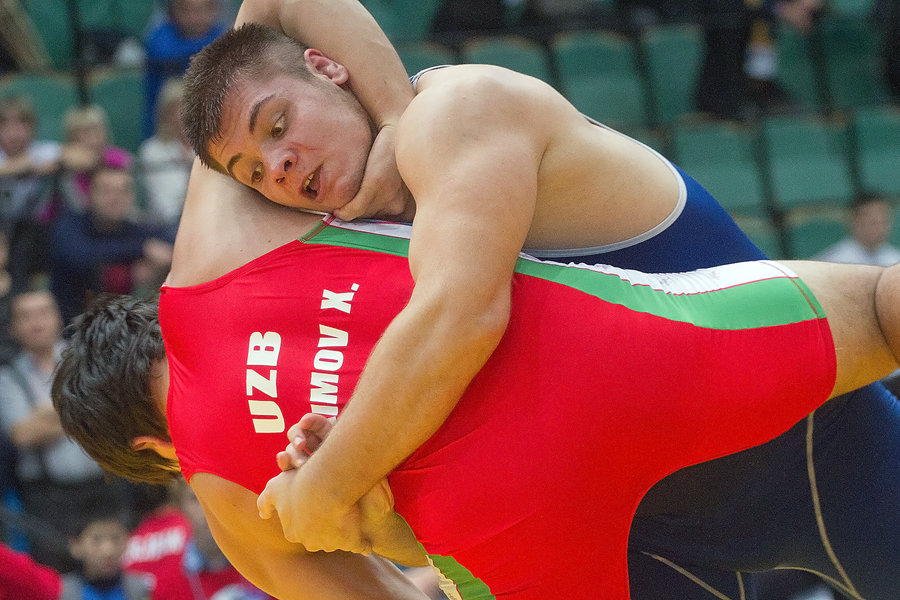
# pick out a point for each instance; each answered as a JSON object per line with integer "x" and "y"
{"x": 23, "y": 578}
{"x": 104, "y": 249}
{"x": 87, "y": 147}
{"x": 27, "y": 182}
{"x": 205, "y": 568}
{"x": 191, "y": 25}
{"x": 156, "y": 546}
{"x": 867, "y": 242}
{"x": 887, "y": 12}
{"x": 165, "y": 159}
{"x": 98, "y": 543}
{"x": 722, "y": 87}
{"x": 8, "y": 344}
{"x": 52, "y": 471}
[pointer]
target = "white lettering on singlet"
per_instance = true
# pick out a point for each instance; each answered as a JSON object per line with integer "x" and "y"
{"x": 263, "y": 352}
{"x": 323, "y": 391}
{"x": 155, "y": 545}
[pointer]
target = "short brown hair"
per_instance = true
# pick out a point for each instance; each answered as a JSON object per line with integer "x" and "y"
{"x": 18, "y": 105}
{"x": 101, "y": 388}
{"x": 249, "y": 53}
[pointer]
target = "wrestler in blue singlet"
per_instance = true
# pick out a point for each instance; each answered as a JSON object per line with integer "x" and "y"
{"x": 823, "y": 497}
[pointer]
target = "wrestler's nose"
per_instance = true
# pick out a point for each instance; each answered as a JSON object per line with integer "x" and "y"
{"x": 280, "y": 165}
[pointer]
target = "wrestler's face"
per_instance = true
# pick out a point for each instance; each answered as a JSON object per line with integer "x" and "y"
{"x": 299, "y": 143}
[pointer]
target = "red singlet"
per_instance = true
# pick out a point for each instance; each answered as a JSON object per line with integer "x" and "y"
{"x": 605, "y": 382}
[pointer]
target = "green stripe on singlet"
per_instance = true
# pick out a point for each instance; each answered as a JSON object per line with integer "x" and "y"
{"x": 457, "y": 582}
{"x": 734, "y": 306}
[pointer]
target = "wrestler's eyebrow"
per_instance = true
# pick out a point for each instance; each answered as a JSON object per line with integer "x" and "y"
{"x": 254, "y": 113}
{"x": 231, "y": 164}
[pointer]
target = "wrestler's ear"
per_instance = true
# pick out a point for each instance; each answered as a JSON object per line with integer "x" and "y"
{"x": 321, "y": 64}
{"x": 158, "y": 445}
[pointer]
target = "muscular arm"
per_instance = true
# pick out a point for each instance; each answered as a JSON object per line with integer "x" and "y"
{"x": 474, "y": 172}
{"x": 346, "y": 32}
{"x": 861, "y": 303}
{"x": 259, "y": 551}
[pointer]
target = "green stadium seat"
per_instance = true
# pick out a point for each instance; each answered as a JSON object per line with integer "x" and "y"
{"x": 580, "y": 54}
{"x": 51, "y": 95}
{"x": 617, "y": 100}
{"x": 763, "y": 234}
{"x": 853, "y": 63}
{"x": 797, "y": 72}
{"x": 809, "y": 235}
{"x": 851, "y": 8}
{"x": 808, "y": 162}
{"x": 53, "y": 23}
{"x": 421, "y": 55}
{"x": 673, "y": 55}
{"x": 388, "y": 18}
{"x": 121, "y": 94}
{"x": 722, "y": 157}
{"x": 876, "y": 134}
{"x": 513, "y": 52}
{"x": 404, "y": 20}
{"x": 51, "y": 19}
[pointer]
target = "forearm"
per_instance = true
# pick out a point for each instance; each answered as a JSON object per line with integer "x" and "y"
{"x": 887, "y": 308}
{"x": 395, "y": 541}
{"x": 259, "y": 551}
{"x": 412, "y": 381}
{"x": 352, "y": 37}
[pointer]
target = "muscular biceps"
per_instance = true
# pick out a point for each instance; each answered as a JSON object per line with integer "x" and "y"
{"x": 346, "y": 32}
{"x": 258, "y": 549}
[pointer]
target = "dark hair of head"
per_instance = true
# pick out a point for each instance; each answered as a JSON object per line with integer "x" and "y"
{"x": 18, "y": 105}
{"x": 251, "y": 52}
{"x": 110, "y": 511}
{"x": 866, "y": 197}
{"x": 101, "y": 388}
{"x": 103, "y": 168}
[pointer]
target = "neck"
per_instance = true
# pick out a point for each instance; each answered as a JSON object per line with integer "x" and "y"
{"x": 45, "y": 358}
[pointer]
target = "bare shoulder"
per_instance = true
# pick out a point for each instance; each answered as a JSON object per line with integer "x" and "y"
{"x": 224, "y": 225}
{"x": 458, "y": 88}
{"x": 465, "y": 106}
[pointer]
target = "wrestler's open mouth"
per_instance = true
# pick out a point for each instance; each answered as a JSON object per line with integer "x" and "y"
{"x": 311, "y": 183}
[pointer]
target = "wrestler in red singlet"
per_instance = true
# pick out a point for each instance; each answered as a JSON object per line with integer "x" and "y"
{"x": 605, "y": 381}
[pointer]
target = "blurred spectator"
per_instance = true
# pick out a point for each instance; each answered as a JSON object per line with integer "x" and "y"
{"x": 27, "y": 182}
{"x": 887, "y": 12}
{"x": 98, "y": 543}
{"x": 191, "y": 25}
{"x": 8, "y": 344}
{"x": 87, "y": 147}
{"x": 871, "y": 222}
{"x": 21, "y": 578}
{"x": 206, "y": 570}
{"x": 165, "y": 159}
{"x": 52, "y": 471}
{"x": 103, "y": 249}
{"x": 156, "y": 546}
{"x": 723, "y": 87}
